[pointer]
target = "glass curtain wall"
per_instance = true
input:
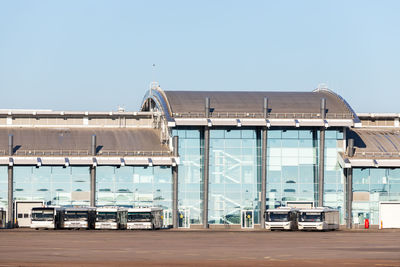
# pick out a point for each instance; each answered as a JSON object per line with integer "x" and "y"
{"x": 370, "y": 186}
{"x": 190, "y": 188}
{"x": 53, "y": 185}
{"x": 291, "y": 166}
{"x": 234, "y": 175}
{"x": 134, "y": 186}
{"x": 333, "y": 174}
{"x": 3, "y": 187}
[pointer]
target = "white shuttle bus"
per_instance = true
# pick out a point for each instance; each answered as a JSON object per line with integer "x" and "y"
{"x": 78, "y": 218}
{"x": 113, "y": 218}
{"x": 145, "y": 218}
{"x": 283, "y": 218}
{"x": 319, "y": 218}
{"x": 45, "y": 218}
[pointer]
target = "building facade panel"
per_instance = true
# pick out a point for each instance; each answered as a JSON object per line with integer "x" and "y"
{"x": 190, "y": 184}
{"x": 3, "y": 187}
{"x": 234, "y": 174}
{"x": 134, "y": 186}
{"x": 370, "y": 186}
{"x": 292, "y": 166}
{"x": 61, "y": 186}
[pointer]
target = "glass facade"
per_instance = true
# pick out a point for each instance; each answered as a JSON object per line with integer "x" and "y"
{"x": 234, "y": 172}
{"x": 134, "y": 186}
{"x": 3, "y": 187}
{"x": 370, "y": 186}
{"x": 234, "y": 175}
{"x": 190, "y": 187}
{"x": 53, "y": 185}
{"x": 292, "y": 167}
{"x": 333, "y": 173}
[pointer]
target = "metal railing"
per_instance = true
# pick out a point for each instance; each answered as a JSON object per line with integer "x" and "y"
{"x": 80, "y": 153}
{"x": 377, "y": 154}
{"x": 260, "y": 115}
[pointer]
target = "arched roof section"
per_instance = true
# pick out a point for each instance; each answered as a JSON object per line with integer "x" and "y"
{"x": 155, "y": 99}
{"x": 223, "y": 103}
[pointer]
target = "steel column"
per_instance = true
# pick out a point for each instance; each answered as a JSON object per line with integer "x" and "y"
{"x": 263, "y": 166}
{"x": 10, "y": 210}
{"x": 206, "y": 158}
{"x": 349, "y": 198}
{"x": 263, "y": 175}
{"x": 349, "y": 186}
{"x": 321, "y": 157}
{"x": 175, "y": 143}
{"x": 93, "y": 174}
{"x": 315, "y": 169}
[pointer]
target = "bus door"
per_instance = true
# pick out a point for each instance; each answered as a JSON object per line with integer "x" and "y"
{"x": 247, "y": 219}
{"x": 167, "y": 218}
{"x": 184, "y": 218}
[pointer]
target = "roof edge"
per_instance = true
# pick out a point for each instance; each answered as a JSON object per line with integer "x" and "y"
{"x": 346, "y": 104}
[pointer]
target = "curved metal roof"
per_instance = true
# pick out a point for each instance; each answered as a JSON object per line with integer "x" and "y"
{"x": 176, "y": 104}
{"x": 375, "y": 143}
{"x": 77, "y": 141}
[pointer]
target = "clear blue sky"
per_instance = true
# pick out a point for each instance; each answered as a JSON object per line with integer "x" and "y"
{"x": 96, "y": 55}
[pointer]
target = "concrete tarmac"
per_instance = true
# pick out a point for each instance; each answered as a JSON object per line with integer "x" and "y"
{"x": 198, "y": 248}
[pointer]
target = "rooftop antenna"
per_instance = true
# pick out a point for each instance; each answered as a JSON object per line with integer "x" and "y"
{"x": 153, "y": 84}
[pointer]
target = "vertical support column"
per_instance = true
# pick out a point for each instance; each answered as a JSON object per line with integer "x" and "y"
{"x": 349, "y": 198}
{"x": 206, "y": 158}
{"x": 93, "y": 174}
{"x": 315, "y": 170}
{"x": 10, "y": 210}
{"x": 175, "y": 144}
{"x": 321, "y": 156}
{"x": 349, "y": 187}
{"x": 263, "y": 166}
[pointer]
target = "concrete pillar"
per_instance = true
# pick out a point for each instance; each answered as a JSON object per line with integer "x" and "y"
{"x": 206, "y": 158}
{"x": 93, "y": 174}
{"x": 321, "y": 157}
{"x": 10, "y": 210}
{"x": 349, "y": 198}
{"x": 175, "y": 224}
{"x": 263, "y": 166}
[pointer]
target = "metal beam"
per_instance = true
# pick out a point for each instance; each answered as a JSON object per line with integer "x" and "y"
{"x": 206, "y": 175}
{"x": 349, "y": 198}
{"x": 93, "y": 174}
{"x": 206, "y": 160}
{"x": 263, "y": 175}
{"x": 315, "y": 169}
{"x": 10, "y": 210}
{"x": 263, "y": 166}
{"x": 321, "y": 168}
{"x": 175, "y": 224}
{"x": 321, "y": 156}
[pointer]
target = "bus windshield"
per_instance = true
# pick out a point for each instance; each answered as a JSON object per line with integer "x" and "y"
{"x": 311, "y": 217}
{"x": 42, "y": 215}
{"x": 106, "y": 216}
{"x": 277, "y": 217}
{"x": 76, "y": 215}
{"x": 139, "y": 216}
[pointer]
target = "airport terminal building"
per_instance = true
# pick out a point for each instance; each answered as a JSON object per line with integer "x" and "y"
{"x": 209, "y": 159}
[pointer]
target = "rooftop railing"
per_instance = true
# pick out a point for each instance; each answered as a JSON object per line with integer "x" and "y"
{"x": 260, "y": 115}
{"x": 86, "y": 153}
{"x": 364, "y": 154}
